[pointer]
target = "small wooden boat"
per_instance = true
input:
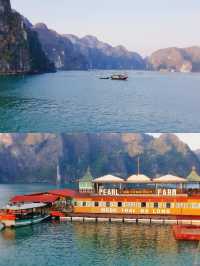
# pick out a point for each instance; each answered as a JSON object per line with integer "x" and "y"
{"x": 186, "y": 232}
{"x": 119, "y": 77}
{"x": 104, "y": 78}
{"x": 15, "y": 215}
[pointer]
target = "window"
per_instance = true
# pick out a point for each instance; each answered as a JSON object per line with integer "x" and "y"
{"x": 113, "y": 204}
{"x": 75, "y": 203}
{"x": 143, "y": 204}
{"x": 84, "y": 204}
{"x": 155, "y": 204}
{"x": 107, "y": 204}
{"x": 119, "y": 204}
{"x": 89, "y": 204}
{"x": 168, "y": 205}
{"x": 149, "y": 205}
{"x": 96, "y": 204}
{"x": 102, "y": 204}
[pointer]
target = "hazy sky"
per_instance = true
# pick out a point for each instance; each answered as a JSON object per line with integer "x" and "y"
{"x": 192, "y": 139}
{"x": 142, "y": 26}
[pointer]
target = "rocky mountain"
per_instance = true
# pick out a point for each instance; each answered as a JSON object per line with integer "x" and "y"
{"x": 34, "y": 157}
{"x": 60, "y": 50}
{"x": 70, "y": 52}
{"x": 197, "y": 152}
{"x": 25, "y": 48}
{"x": 176, "y": 59}
{"x": 20, "y": 49}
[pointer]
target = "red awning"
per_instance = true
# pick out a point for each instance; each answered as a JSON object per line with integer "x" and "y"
{"x": 45, "y": 198}
{"x": 64, "y": 192}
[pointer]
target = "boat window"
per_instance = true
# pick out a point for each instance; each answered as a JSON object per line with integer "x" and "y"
{"x": 89, "y": 204}
{"x": 195, "y": 205}
{"x": 102, "y": 204}
{"x": 168, "y": 205}
{"x": 155, "y": 204}
{"x": 149, "y": 205}
{"x": 107, "y": 204}
{"x": 143, "y": 204}
{"x": 119, "y": 204}
{"x": 180, "y": 205}
{"x": 127, "y": 204}
{"x": 113, "y": 204}
{"x": 80, "y": 203}
{"x": 84, "y": 203}
{"x": 96, "y": 204}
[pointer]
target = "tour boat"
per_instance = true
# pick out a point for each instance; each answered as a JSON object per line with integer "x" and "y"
{"x": 21, "y": 214}
{"x": 119, "y": 77}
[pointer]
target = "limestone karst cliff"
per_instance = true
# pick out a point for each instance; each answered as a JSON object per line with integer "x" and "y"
{"x": 20, "y": 49}
{"x": 29, "y": 158}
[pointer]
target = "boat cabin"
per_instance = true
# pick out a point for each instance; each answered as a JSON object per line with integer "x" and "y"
{"x": 23, "y": 214}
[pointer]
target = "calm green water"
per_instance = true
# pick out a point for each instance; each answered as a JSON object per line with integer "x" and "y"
{"x": 80, "y": 101}
{"x": 77, "y": 244}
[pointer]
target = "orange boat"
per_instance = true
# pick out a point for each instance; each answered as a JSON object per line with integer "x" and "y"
{"x": 186, "y": 232}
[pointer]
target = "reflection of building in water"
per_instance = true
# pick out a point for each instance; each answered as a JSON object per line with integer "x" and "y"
{"x": 128, "y": 238}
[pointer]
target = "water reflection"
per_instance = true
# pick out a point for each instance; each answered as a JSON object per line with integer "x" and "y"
{"x": 95, "y": 244}
{"x": 79, "y": 97}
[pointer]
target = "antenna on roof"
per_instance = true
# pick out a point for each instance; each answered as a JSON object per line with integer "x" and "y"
{"x": 138, "y": 165}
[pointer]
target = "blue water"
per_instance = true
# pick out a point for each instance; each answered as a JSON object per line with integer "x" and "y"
{"x": 80, "y": 101}
{"x": 76, "y": 244}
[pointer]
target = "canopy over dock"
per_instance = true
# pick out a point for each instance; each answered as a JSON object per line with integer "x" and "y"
{"x": 169, "y": 179}
{"x": 108, "y": 179}
{"x": 138, "y": 179}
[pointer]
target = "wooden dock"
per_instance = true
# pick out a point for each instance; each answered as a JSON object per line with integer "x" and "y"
{"x": 116, "y": 218}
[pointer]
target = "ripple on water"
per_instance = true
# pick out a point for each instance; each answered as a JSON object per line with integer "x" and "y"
{"x": 66, "y": 101}
{"x": 94, "y": 244}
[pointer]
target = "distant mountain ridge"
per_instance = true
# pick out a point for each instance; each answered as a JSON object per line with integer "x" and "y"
{"x": 70, "y": 52}
{"x": 31, "y": 158}
{"x": 27, "y": 48}
{"x": 176, "y": 59}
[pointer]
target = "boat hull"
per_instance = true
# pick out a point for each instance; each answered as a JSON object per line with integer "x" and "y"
{"x": 120, "y": 78}
{"x": 8, "y": 222}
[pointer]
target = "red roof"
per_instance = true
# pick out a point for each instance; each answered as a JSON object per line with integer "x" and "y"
{"x": 64, "y": 192}
{"x": 45, "y": 198}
